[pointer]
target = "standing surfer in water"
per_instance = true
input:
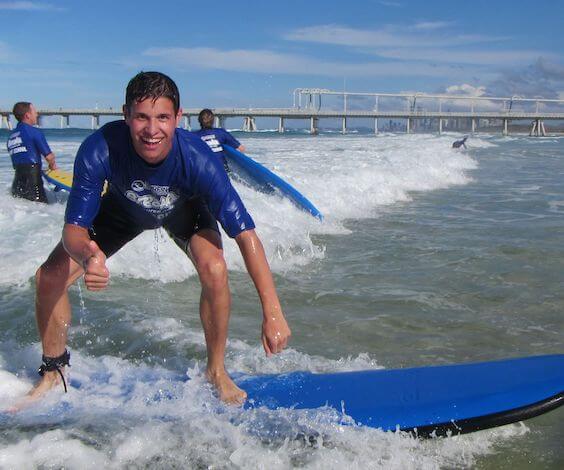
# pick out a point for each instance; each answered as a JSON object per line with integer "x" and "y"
{"x": 158, "y": 176}
{"x": 215, "y": 137}
{"x": 26, "y": 145}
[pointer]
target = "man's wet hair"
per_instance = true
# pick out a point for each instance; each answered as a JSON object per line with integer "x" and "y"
{"x": 20, "y": 108}
{"x": 152, "y": 85}
{"x": 206, "y": 118}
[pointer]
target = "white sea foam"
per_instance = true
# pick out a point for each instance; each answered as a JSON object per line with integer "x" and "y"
{"x": 345, "y": 177}
{"x": 156, "y": 417}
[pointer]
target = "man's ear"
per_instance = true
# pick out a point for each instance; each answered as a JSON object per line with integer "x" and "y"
{"x": 125, "y": 111}
{"x": 178, "y": 117}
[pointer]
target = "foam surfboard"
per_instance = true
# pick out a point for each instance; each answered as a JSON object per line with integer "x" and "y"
{"x": 427, "y": 401}
{"x": 262, "y": 179}
{"x": 61, "y": 179}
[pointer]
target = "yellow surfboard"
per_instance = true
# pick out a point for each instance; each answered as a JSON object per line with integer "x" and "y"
{"x": 61, "y": 179}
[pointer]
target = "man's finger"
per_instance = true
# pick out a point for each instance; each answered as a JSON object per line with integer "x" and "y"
{"x": 266, "y": 347}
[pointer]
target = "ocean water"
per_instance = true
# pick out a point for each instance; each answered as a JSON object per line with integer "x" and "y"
{"x": 427, "y": 255}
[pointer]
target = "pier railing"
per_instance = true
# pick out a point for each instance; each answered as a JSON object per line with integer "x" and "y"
{"x": 418, "y": 111}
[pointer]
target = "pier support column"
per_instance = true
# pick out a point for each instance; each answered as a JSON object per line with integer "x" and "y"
{"x": 440, "y": 126}
{"x": 313, "y": 123}
{"x": 375, "y": 125}
{"x": 408, "y": 126}
{"x": 220, "y": 121}
{"x": 187, "y": 123}
{"x": 344, "y": 131}
{"x": 249, "y": 124}
{"x": 473, "y": 125}
{"x": 281, "y": 125}
{"x": 538, "y": 129}
{"x": 95, "y": 122}
{"x": 65, "y": 121}
{"x": 6, "y": 121}
{"x": 505, "y": 127}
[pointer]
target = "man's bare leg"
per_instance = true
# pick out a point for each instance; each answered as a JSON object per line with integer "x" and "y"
{"x": 215, "y": 304}
{"x": 53, "y": 311}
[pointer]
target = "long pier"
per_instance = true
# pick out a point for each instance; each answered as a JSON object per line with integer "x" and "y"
{"x": 411, "y": 108}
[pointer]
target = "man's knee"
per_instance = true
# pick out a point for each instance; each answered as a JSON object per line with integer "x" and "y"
{"x": 55, "y": 276}
{"x": 213, "y": 271}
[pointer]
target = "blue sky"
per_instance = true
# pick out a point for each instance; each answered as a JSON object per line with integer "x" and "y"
{"x": 254, "y": 53}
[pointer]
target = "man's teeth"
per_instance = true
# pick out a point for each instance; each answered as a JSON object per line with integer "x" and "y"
{"x": 152, "y": 141}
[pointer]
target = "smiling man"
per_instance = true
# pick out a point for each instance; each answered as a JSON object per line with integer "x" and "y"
{"x": 158, "y": 176}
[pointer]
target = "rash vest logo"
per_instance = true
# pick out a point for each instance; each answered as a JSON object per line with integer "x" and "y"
{"x": 157, "y": 200}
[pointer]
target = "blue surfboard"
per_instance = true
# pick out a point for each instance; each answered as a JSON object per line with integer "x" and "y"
{"x": 426, "y": 401}
{"x": 262, "y": 179}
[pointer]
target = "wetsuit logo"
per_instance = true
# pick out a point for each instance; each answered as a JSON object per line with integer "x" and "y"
{"x": 155, "y": 199}
{"x": 15, "y": 144}
{"x": 212, "y": 142}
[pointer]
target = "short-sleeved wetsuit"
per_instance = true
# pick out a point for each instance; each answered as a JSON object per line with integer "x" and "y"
{"x": 186, "y": 192}
{"x": 215, "y": 138}
{"x": 26, "y": 145}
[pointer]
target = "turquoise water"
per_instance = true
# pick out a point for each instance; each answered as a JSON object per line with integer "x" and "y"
{"x": 426, "y": 256}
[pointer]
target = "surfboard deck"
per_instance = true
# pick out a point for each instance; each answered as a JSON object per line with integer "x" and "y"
{"x": 61, "y": 179}
{"x": 262, "y": 179}
{"x": 426, "y": 401}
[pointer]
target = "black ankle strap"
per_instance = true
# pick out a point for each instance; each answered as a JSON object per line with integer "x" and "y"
{"x": 55, "y": 363}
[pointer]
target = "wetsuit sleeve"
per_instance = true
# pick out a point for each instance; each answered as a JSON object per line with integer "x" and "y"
{"x": 91, "y": 169}
{"x": 40, "y": 143}
{"x": 228, "y": 139}
{"x": 212, "y": 183}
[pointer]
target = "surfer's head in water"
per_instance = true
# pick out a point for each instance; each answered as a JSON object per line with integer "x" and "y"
{"x": 459, "y": 143}
{"x": 206, "y": 118}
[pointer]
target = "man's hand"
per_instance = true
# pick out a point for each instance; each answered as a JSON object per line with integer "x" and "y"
{"x": 275, "y": 333}
{"x": 51, "y": 161}
{"x": 96, "y": 275}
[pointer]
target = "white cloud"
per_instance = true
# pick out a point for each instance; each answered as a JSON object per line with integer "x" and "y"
{"x": 264, "y": 61}
{"x": 28, "y": 6}
{"x": 430, "y": 25}
{"x": 461, "y": 56}
{"x": 421, "y": 35}
{"x": 466, "y": 90}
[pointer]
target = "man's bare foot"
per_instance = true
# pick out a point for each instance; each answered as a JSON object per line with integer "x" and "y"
{"x": 49, "y": 381}
{"x": 227, "y": 390}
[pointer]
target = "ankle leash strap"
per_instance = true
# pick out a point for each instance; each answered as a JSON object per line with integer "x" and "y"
{"x": 55, "y": 363}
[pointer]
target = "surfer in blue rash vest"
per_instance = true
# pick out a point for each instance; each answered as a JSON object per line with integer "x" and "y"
{"x": 158, "y": 176}
{"x": 215, "y": 137}
{"x": 26, "y": 145}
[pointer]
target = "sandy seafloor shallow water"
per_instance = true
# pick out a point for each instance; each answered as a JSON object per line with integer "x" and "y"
{"x": 427, "y": 256}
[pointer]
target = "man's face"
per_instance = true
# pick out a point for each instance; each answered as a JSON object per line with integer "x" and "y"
{"x": 151, "y": 125}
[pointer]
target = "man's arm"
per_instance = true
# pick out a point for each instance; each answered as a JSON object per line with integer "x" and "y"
{"x": 241, "y": 148}
{"x": 275, "y": 330}
{"x": 87, "y": 254}
{"x": 51, "y": 161}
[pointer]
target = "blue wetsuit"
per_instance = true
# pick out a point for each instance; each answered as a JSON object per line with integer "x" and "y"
{"x": 215, "y": 138}
{"x": 184, "y": 193}
{"x": 26, "y": 145}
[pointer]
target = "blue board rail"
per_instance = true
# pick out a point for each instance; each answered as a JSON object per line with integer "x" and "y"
{"x": 426, "y": 401}
{"x": 264, "y": 180}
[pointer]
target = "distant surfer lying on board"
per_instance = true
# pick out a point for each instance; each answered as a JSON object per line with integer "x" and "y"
{"x": 216, "y": 137}
{"x": 26, "y": 145}
{"x": 159, "y": 176}
{"x": 460, "y": 143}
